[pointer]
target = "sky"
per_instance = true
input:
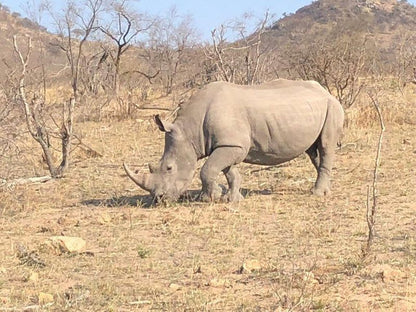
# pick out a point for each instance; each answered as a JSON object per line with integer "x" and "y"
{"x": 207, "y": 14}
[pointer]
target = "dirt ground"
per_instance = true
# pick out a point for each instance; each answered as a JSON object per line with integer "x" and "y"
{"x": 281, "y": 249}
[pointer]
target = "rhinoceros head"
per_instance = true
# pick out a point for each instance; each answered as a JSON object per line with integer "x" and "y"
{"x": 171, "y": 177}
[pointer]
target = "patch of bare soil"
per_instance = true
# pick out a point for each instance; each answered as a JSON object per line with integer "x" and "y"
{"x": 280, "y": 249}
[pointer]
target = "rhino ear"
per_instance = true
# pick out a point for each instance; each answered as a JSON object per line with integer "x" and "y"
{"x": 164, "y": 126}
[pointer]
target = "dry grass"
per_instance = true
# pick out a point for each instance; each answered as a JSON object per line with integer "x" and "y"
{"x": 281, "y": 249}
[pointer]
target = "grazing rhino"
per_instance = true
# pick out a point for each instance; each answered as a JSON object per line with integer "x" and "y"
{"x": 266, "y": 124}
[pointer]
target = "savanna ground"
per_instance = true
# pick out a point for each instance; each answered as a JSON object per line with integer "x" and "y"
{"x": 280, "y": 249}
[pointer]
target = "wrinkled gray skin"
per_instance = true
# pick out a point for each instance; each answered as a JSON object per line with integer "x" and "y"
{"x": 266, "y": 125}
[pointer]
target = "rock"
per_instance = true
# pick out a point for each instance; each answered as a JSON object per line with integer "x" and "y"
{"x": 175, "y": 287}
{"x": 251, "y": 266}
{"x": 219, "y": 282}
{"x": 33, "y": 277}
{"x": 68, "y": 221}
{"x": 104, "y": 218}
{"x": 65, "y": 244}
{"x": 44, "y": 298}
{"x": 309, "y": 277}
{"x": 4, "y": 300}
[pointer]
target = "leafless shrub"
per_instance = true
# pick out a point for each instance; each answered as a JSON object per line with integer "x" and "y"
{"x": 171, "y": 45}
{"x": 404, "y": 65}
{"x": 242, "y": 61}
{"x": 338, "y": 65}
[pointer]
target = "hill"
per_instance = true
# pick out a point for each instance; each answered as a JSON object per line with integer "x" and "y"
{"x": 336, "y": 42}
{"x": 372, "y": 16}
{"x": 388, "y": 23}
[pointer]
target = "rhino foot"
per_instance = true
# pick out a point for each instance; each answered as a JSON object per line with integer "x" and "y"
{"x": 233, "y": 197}
{"x": 320, "y": 191}
{"x": 212, "y": 196}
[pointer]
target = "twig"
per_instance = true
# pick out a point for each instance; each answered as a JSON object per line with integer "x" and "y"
{"x": 371, "y": 211}
{"x": 92, "y": 152}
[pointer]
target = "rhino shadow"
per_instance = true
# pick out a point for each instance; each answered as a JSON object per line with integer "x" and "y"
{"x": 147, "y": 201}
{"x": 143, "y": 201}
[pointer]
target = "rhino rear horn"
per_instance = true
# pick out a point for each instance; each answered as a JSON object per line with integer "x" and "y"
{"x": 142, "y": 180}
{"x": 152, "y": 168}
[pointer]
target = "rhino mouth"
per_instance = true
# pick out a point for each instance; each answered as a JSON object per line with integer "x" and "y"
{"x": 163, "y": 198}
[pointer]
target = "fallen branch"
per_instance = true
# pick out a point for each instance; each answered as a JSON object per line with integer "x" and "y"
{"x": 21, "y": 181}
{"x": 29, "y": 308}
{"x": 152, "y": 108}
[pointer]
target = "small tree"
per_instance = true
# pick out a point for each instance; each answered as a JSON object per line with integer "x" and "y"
{"x": 405, "y": 60}
{"x": 171, "y": 42}
{"x": 124, "y": 26}
{"x": 372, "y": 191}
{"x": 33, "y": 115}
{"x": 241, "y": 61}
{"x": 75, "y": 27}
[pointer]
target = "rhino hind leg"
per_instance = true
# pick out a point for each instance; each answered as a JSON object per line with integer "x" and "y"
{"x": 313, "y": 155}
{"x": 323, "y": 182}
{"x": 326, "y": 145}
{"x": 221, "y": 159}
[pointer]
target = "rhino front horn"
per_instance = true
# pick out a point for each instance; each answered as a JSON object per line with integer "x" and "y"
{"x": 142, "y": 180}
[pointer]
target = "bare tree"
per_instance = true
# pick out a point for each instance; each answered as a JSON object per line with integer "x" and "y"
{"x": 405, "y": 62}
{"x": 171, "y": 41}
{"x": 242, "y": 60}
{"x": 217, "y": 54}
{"x": 75, "y": 27}
{"x": 8, "y": 112}
{"x": 253, "y": 48}
{"x": 33, "y": 118}
{"x": 124, "y": 26}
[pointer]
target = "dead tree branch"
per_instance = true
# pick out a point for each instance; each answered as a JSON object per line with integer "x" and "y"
{"x": 36, "y": 128}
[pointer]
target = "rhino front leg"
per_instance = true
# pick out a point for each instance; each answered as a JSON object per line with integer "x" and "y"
{"x": 234, "y": 181}
{"x": 219, "y": 160}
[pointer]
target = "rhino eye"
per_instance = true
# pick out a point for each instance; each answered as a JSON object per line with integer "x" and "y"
{"x": 169, "y": 168}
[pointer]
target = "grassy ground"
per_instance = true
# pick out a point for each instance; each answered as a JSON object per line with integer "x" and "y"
{"x": 280, "y": 249}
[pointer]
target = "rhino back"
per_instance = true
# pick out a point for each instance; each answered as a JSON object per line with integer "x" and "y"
{"x": 274, "y": 122}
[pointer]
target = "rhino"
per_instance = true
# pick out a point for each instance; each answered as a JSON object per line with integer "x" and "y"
{"x": 265, "y": 124}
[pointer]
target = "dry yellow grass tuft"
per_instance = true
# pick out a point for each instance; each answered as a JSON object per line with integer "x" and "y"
{"x": 281, "y": 249}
